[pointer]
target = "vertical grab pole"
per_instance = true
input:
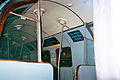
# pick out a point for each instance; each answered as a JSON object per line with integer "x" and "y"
{"x": 21, "y": 51}
{"x": 8, "y": 46}
{"x": 15, "y": 52}
{"x": 60, "y": 50}
{"x": 84, "y": 43}
{"x": 39, "y": 42}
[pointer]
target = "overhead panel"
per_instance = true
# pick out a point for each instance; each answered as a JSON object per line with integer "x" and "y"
{"x": 76, "y": 36}
{"x": 51, "y": 42}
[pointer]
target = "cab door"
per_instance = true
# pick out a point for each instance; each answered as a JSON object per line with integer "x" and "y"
{"x": 66, "y": 72}
{"x": 46, "y": 56}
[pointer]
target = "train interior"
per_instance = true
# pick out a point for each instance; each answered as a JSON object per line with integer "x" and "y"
{"x": 66, "y": 35}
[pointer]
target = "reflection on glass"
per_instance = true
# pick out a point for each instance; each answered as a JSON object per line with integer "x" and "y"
{"x": 3, "y": 4}
{"x": 18, "y": 39}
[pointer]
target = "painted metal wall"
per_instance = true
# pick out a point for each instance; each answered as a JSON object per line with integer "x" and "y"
{"x": 107, "y": 39}
{"x": 78, "y": 52}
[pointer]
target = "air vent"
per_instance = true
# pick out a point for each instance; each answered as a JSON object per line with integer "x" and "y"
{"x": 62, "y": 21}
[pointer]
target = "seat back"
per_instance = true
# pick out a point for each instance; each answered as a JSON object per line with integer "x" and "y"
{"x": 13, "y": 70}
{"x": 86, "y": 72}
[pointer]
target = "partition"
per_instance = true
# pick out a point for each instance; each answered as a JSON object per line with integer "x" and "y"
{"x": 86, "y": 73}
{"x": 13, "y": 70}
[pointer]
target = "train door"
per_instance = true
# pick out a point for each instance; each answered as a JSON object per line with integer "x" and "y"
{"x": 46, "y": 56}
{"x": 65, "y": 63}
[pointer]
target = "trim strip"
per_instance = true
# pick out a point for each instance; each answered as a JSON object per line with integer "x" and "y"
{"x": 78, "y": 42}
{"x": 51, "y": 46}
{"x": 25, "y": 17}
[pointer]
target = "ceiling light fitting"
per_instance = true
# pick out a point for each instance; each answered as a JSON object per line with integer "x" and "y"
{"x": 18, "y": 27}
{"x": 69, "y": 4}
{"x": 42, "y": 10}
{"x": 62, "y": 21}
{"x": 23, "y": 38}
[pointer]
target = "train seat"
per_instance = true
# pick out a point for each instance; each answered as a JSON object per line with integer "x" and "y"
{"x": 14, "y": 70}
{"x": 86, "y": 72}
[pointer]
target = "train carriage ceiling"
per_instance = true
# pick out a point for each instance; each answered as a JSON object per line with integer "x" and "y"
{"x": 53, "y": 11}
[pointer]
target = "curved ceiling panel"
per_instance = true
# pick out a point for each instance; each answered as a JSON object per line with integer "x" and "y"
{"x": 53, "y": 11}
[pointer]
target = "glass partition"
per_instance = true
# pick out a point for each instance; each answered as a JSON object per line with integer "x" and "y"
{"x": 18, "y": 39}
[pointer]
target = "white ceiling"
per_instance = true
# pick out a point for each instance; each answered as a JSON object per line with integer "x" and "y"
{"x": 84, "y": 8}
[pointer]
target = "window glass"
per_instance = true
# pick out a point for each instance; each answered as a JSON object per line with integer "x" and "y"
{"x": 26, "y": 54}
{"x": 34, "y": 43}
{"x": 16, "y": 41}
{"x": 30, "y": 47}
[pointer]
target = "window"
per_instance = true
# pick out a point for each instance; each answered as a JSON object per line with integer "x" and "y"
{"x": 34, "y": 43}
{"x": 30, "y": 47}
{"x": 11, "y": 17}
{"x": 66, "y": 57}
